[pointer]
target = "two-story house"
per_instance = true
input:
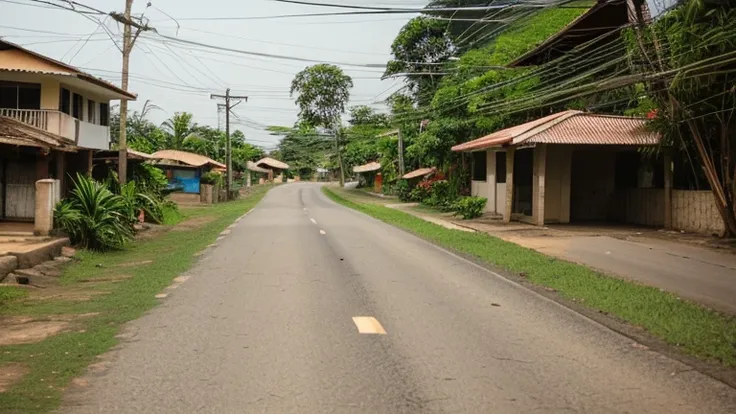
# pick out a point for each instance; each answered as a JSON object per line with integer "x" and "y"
{"x": 52, "y": 118}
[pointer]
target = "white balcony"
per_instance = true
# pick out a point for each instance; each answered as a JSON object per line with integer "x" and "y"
{"x": 83, "y": 134}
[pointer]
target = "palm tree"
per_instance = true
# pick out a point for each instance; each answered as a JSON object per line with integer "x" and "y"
{"x": 178, "y": 128}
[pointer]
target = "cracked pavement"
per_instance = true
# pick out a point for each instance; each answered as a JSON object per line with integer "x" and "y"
{"x": 264, "y": 324}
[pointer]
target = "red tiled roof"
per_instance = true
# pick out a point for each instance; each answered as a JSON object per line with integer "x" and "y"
{"x": 570, "y": 127}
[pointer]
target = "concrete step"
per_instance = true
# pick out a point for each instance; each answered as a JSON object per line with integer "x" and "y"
{"x": 33, "y": 254}
{"x": 31, "y": 277}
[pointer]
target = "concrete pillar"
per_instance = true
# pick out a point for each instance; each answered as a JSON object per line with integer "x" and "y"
{"x": 667, "y": 189}
{"x": 247, "y": 178}
{"x": 491, "y": 180}
{"x": 270, "y": 176}
{"x": 510, "y": 155}
{"x": 44, "y": 212}
{"x": 60, "y": 172}
{"x": 540, "y": 169}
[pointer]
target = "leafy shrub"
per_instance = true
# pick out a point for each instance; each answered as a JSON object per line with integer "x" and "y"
{"x": 441, "y": 195}
{"x": 135, "y": 201}
{"x": 150, "y": 180}
{"x": 93, "y": 216}
{"x": 470, "y": 207}
{"x": 212, "y": 177}
{"x": 403, "y": 190}
{"x": 419, "y": 193}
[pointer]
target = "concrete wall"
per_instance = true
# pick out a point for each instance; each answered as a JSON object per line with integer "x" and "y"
{"x": 479, "y": 188}
{"x": 695, "y": 211}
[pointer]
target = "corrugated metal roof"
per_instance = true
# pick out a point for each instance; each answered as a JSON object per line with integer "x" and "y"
{"x": 421, "y": 172}
{"x": 587, "y": 129}
{"x": 371, "y": 166}
{"x": 189, "y": 158}
{"x": 270, "y": 162}
{"x": 16, "y": 132}
{"x": 507, "y": 135}
{"x": 570, "y": 127}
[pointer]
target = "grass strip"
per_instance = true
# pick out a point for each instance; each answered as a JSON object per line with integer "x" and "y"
{"x": 151, "y": 264}
{"x": 696, "y": 330}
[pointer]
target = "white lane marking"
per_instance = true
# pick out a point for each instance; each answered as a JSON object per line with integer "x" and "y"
{"x": 322, "y": 232}
{"x": 313, "y": 220}
{"x": 368, "y": 325}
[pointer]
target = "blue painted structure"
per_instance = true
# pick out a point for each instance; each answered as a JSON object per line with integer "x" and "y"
{"x": 186, "y": 180}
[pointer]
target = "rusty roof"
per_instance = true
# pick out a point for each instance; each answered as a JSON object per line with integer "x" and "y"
{"x": 570, "y": 127}
{"x": 421, "y": 172}
{"x": 371, "y": 166}
{"x": 188, "y": 158}
{"x": 72, "y": 71}
{"x": 15, "y": 132}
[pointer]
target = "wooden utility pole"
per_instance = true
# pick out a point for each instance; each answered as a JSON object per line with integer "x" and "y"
{"x": 339, "y": 157}
{"x": 228, "y": 107}
{"x": 128, "y": 42}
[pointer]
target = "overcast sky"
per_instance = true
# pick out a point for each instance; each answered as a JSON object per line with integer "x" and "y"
{"x": 178, "y": 78}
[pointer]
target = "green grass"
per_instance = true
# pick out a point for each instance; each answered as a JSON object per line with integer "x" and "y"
{"x": 11, "y": 293}
{"x": 56, "y": 360}
{"x": 695, "y": 330}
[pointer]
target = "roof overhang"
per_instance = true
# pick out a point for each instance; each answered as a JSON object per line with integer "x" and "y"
{"x": 14, "y": 132}
{"x": 370, "y": 167}
{"x": 570, "y": 128}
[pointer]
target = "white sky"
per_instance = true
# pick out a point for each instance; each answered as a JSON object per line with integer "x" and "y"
{"x": 193, "y": 75}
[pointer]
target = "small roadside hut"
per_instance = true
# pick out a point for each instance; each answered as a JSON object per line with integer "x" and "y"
{"x": 107, "y": 160}
{"x": 419, "y": 174}
{"x": 184, "y": 169}
{"x": 275, "y": 167}
{"x": 370, "y": 173}
{"x": 251, "y": 167}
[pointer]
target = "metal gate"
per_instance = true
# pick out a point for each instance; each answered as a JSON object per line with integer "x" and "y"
{"x": 18, "y": 188}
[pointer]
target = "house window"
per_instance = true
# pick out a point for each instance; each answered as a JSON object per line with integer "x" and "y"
{"x": 104, "y": 114}
{"x": 17, "y": 95}
{"x": 77, "y": 106}
{"x": 479, "y": 166}
{"x": 500, "y": 167}
{"x": 64, "y": 101}
{"x": 91, "y": 111}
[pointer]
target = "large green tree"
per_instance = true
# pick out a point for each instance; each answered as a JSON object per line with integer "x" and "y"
{"x": 323, "y": 91}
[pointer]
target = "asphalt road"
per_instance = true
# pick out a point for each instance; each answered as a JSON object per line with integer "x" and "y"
{"x": 265, "y": 324}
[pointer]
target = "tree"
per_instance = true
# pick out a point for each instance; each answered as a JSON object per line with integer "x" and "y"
{"x": 689, "y": 56}
{"x": 419, "y": 50}
{"x": 178, "y": 128}
{"x": 323, "y": 91}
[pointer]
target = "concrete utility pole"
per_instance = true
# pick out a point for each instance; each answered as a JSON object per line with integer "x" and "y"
{"x": 401, "y": 154}
{"x": 128, "y": 42}
{"x": 228, "y": 107}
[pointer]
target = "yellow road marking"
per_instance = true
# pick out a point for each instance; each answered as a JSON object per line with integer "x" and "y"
{"x": 368, "y": 325}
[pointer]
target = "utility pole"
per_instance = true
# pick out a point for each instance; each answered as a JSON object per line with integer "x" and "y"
{"x": 229, "y": 107}
{"x": 128, "y": 41}
{"x": 401, "y": 154}
{"x": 339, "y": 156}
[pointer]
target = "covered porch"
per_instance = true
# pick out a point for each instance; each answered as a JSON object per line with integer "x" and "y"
{"x": 573, "y": 167}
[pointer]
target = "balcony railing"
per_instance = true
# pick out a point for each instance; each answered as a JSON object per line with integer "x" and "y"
{"x": 84, "y": 134}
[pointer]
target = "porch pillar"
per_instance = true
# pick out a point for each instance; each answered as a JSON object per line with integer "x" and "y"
{"x": 90, "y": 163}
{"x": 60, "y": 169}
{"x": 491, "y": 180}
{"x": 44, "y": 209}
{"x": 510, "y": 155}
{"x": 667, "y": 188}
{"x": 247, "y": 178}
{"x": 540, "y": 168}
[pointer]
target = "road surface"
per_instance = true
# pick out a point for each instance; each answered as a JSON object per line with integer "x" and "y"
{"x": 266, "y": 324}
